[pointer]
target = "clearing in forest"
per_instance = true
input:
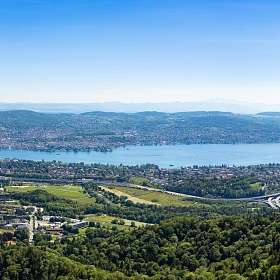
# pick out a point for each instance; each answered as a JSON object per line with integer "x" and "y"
{"x": 148, "y": 197}
{"x": 71, "y": 192}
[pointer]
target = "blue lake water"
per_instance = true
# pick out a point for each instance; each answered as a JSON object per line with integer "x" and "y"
{"x": 164, "y": 156}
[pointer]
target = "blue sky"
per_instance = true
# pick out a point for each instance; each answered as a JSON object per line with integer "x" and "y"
{"x": 139, "y": 50}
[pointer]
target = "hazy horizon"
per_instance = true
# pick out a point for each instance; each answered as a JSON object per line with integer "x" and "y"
{"x": 170, "y": 107}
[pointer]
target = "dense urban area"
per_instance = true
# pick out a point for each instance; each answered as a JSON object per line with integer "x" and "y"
{"x": 103, "y": 131}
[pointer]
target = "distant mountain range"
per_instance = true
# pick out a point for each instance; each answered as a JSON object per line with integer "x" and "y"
{"x": 225, "y": 106}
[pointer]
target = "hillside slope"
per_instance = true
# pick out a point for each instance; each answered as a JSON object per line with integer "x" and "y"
{"x": 105, "y": 131}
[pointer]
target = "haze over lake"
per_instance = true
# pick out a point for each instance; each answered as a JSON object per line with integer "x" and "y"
{"x": 166, "y": 156}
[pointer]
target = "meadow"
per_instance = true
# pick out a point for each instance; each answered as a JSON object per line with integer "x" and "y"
{"x": 148, "y": 197}
{"x": 109, "y": 219}
{"x": 71, "y": 192}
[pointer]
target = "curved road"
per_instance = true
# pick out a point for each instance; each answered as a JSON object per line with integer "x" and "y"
{"x": 205, "y": 198}
{"x": 110, "y": 183}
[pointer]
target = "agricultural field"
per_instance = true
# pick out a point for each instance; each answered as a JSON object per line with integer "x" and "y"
{"x": 132, "y": 197}
{"x": 256, "y": 186}
{"x": 149, "y": 197}
{"x": 70, "y": 192}
{"x": 106, "y": 219}
{"x": 5, "y": 230}
{"x": 142, "y": 181}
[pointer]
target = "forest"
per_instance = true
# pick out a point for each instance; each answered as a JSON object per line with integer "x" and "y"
{"x": 189, "y": 248}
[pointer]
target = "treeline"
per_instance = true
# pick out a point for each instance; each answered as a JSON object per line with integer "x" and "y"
{"x": 216, "y": 187}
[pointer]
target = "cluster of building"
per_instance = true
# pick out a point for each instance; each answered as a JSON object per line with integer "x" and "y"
{"x": 54, "y": 225}
{"x": 14, "y": 216}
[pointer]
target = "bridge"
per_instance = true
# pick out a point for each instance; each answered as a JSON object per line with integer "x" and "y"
{"x": 274, "y": 202}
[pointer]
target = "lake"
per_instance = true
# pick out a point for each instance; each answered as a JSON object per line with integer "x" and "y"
{"x": 166, "y": 156}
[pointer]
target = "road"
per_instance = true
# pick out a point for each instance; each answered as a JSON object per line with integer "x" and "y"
{"x": 254, "y": 198}
{"x": 31, "y": 228}
{"x": 277, "y": 201}
{"x": 33, "y": 224}
{"x": 125, "y": 184}
{"x": 271, "y": 203}
{"x": 273, "y": 200}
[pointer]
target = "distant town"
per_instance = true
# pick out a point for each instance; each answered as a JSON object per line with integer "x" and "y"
{"x": 105, "y": 131}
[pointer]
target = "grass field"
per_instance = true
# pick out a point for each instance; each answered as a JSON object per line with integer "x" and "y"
{"x": 256, "y": 186}
{"x": 70, "y": 192}
{"x": 109, "y": 219}
{"x": 3, "y": 230}
{"x": 138, "y": 181}
{"x": 132, "y": 198}
{"x": 164, "y": 199}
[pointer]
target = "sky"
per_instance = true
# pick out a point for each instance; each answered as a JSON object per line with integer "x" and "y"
{"x": 139, "y": 50}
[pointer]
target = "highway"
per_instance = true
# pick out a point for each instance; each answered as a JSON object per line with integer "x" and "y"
{"x": 254, "y": 198}
{"x": 271, "y": 203}
{"x": 263, "y": 198}
{"x": 274, "y": 202}
{"x": 277, "y": 201}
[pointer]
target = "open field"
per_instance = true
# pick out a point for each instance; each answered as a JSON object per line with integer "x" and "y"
{"x": 70, "y": 192}
{"x": 3, "y": 230}
{"x": 138, "y": 181}
{"x": 133, "y": 198}
{"x": 256, "y": 186}
{"x": 149, "y": 197}
{"x": 109, "y": 219}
